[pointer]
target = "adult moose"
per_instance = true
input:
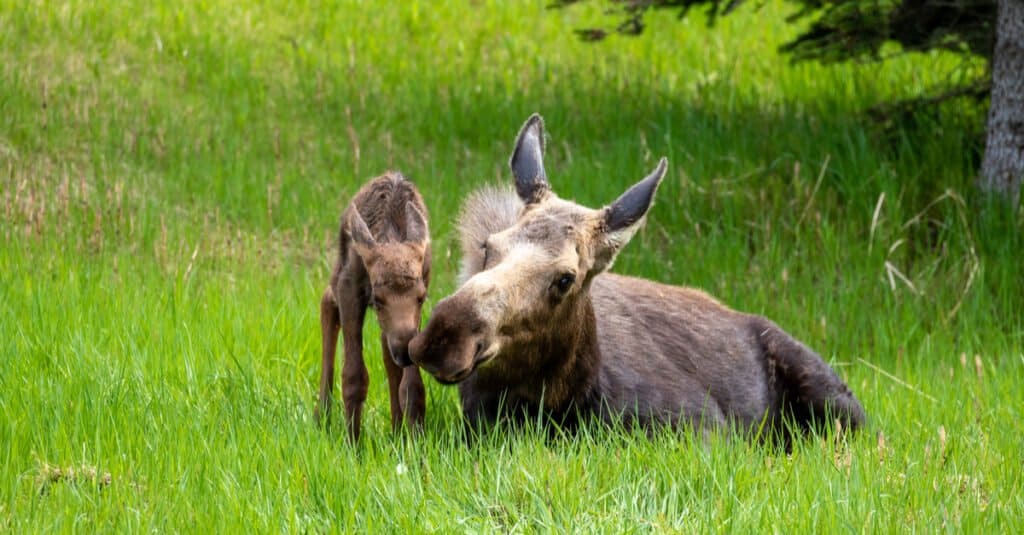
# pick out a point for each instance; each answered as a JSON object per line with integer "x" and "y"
{"x": 538, "y": 325}
{"x": 383, "y": 261}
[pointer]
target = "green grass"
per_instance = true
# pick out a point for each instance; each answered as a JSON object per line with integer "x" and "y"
{"x": 171, "y": 178}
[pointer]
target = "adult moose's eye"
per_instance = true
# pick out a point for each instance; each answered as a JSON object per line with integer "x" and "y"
{"x": 564, "y": 282}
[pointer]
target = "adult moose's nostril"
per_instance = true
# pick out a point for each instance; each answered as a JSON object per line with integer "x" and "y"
{"x": 479, "y": 349}
{"x": 401, "y": 356}
{"x": 415, "y": 348}
{"x": 399, "y": 346}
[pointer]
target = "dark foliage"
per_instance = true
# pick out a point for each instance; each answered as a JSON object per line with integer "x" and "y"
{"x": 847, "y": 29}
{"x": 843, "y": 30}
{"x": 633, "y": 11}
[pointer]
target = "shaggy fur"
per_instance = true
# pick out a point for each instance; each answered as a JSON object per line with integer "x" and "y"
{"x": 486, "y": 211}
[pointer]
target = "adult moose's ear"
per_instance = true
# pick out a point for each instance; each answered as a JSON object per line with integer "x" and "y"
{"x": 362, "y": 239}
{"x": 416, "y": 230}
{"x": 527, "y": 161}
{"x": 624, "y": 217}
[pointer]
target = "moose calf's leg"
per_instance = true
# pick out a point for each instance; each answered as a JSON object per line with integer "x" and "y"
{"x": 354, "y": 378}
{"x": 330, "y": 323}
{"x": 413, "y": 397}
{"x": 406, "y": 388}
{"x": 394, "y": 383}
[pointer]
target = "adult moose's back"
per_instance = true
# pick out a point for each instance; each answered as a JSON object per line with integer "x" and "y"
{"x": 537, "y": 324}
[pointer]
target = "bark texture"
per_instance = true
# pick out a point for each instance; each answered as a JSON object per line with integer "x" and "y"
{"x": 1002, "y": 168}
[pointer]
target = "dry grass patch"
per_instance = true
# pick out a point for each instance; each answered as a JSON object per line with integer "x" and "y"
{"x": 50, "y": 475}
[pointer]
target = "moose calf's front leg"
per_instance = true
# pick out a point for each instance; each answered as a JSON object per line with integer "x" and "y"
{"x": 354, "y": 378}
{"x": 413, "y": 397}
{"x": 406, "y": 388}
{"x": 330, "y": 323}
{"x": 394, "y": 372}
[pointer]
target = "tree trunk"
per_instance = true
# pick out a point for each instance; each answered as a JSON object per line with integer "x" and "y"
{"x": 1002, "y": 168}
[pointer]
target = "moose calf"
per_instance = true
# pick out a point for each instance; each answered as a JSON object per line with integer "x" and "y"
{"x": 537, "y": 324}
{"x": 383, "y": 261}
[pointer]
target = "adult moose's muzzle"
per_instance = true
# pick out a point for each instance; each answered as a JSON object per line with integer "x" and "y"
{"x": 398, "y": 345}
{"x": 453, "y": 343}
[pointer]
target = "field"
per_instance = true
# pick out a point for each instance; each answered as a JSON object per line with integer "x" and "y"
{"x": 171, "y": 176}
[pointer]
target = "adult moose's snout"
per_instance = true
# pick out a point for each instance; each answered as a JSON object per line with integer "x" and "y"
{"x": 418, "y": 352}
{"x": 449, "y": 345}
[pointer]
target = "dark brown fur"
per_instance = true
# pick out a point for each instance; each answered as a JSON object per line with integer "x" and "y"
{"x": 383, "y": 261}
{"x": 606, "y": 345}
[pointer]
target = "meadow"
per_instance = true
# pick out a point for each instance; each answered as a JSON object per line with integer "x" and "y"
{"x": 171, "y": 176}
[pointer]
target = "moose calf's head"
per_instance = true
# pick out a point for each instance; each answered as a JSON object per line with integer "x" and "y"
{"x": 530, "y": 290}
{"x": 398, "y": 272}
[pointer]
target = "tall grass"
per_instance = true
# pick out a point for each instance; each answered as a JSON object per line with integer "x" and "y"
{"x": 171, "y": 178}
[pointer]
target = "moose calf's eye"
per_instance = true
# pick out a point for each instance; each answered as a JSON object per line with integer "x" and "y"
{"x": 564, "y": 282}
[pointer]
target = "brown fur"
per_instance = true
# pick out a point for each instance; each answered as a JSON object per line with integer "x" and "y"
{"x": 383, "y": 261}
{"x": 537, "y": 326}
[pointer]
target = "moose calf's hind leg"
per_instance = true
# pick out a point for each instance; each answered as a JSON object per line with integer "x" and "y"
{"x": 330, "y": 323}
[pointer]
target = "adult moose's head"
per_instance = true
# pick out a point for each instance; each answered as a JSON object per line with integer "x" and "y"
{"x": 529, "y": 296}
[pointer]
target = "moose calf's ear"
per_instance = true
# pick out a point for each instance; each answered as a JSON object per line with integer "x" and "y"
{"x": 359, "y": 232}
{"x": 527, "y": 161}
{"x": 415, "y": 225}
{"x": 624, "y": 216}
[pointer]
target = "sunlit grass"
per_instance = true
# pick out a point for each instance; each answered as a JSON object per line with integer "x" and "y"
{"x": 171, "y": 178}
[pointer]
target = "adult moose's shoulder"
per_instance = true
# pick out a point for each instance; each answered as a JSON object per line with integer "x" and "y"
{"x": 538, "y": 324}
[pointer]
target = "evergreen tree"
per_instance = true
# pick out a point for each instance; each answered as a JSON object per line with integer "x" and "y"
{"x": 844, "y": 30}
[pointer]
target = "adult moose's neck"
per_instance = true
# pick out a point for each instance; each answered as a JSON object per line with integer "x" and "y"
{"x": 557, "y": 365}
